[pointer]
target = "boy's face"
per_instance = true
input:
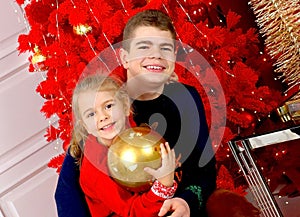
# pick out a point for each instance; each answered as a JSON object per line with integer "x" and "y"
{"x": 151, "y": 56}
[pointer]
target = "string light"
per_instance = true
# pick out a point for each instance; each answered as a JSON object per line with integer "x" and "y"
{"x": 82, "y": 29}
{"x": 122, "y": 3}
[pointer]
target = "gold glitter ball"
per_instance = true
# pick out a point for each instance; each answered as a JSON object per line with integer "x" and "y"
{"x": 132, "y": 151}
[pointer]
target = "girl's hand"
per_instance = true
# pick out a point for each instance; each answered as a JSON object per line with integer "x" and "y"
{"x": 165, "y": 174}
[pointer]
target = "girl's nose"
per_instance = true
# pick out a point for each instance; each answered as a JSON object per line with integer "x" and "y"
{"x": 100, "y": 119}
{"x": 103, "y": 117}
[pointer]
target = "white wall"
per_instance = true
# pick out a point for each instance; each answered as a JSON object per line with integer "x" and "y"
{"x": 26, "y": 183}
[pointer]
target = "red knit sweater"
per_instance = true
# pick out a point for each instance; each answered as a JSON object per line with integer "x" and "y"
{"x": 104, "y": 196}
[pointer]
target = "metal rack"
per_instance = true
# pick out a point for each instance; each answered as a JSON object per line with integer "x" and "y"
{"x": 242, "y": 152}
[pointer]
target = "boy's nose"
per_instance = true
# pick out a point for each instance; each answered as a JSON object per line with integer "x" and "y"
{"x": 155, "y": 53}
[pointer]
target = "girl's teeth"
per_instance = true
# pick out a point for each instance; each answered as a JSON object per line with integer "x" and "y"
{"x": 107, "y": 126}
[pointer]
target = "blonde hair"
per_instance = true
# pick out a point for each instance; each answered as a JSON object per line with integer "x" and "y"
{"x": 94, "y": 82}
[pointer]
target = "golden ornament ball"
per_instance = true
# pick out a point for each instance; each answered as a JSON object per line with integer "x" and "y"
{"x": 132, "y": 151}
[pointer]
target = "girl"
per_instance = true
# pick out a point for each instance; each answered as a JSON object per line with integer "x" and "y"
{"x": 101, "y": 109}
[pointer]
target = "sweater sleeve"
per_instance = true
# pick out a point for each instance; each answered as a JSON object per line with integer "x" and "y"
{"x": 69, "y": 198}
{"x": 201, "y": 163}
{"x": 100, "y": 188}
{"x": 198, "y": 168}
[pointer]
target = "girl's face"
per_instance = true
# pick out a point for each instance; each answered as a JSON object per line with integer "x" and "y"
{"x": 103, "y": 115}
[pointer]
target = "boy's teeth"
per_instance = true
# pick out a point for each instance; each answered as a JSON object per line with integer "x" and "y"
{"x": 154, "y": 67}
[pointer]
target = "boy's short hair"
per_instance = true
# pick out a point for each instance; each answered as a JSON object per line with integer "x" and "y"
{"x": 151, "y": 17}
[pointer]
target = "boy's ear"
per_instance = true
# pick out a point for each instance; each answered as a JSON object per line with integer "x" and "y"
{"x": 124, "y": 57}
{"x": 176, "y": 49}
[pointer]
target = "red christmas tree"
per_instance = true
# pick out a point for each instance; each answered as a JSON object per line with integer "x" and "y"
{"x": 66, "y": 35}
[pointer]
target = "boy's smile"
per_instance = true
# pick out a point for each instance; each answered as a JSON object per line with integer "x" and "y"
{"x": 155, "y": 68}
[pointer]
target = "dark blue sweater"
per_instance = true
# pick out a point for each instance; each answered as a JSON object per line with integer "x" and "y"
{"x": 181, "y": 119}
{"x": 70, "y": 200}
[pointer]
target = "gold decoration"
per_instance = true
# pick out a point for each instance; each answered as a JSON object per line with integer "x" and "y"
{"x": 290, "y": 111}
{"x": 132, "y": 151}
{"x": 294, "y": 108}
{"x": 37, "y": 59}
{"x": 279, "y": 22}
{"x": 36, "y": 49}
{"x": 283, "y": 113}
{"x": 82, "y": 29}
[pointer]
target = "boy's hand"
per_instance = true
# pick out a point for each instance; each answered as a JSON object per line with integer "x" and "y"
{"x": 177, "y": 206}
{"x": 164, "y": 174}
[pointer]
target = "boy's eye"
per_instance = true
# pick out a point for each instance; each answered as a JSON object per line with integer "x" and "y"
{"x": 143, "y": 47}
{"x": 167, "y": 49}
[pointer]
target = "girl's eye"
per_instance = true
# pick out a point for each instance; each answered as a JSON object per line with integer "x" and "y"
{"x": 109, "y": 106}
{"x": 91, "y": 114}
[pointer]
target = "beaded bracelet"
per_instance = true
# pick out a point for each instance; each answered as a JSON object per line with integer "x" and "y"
{"x": 163, "y": 191}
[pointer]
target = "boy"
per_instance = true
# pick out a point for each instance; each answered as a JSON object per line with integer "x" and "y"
{"x": 149, "y": 56}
